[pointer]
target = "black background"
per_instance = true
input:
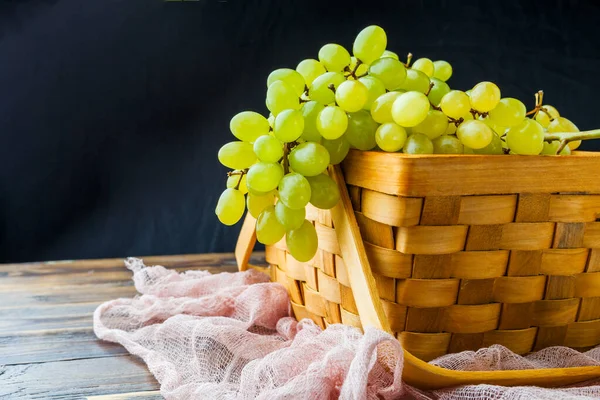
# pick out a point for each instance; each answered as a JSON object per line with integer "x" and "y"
{"x": 112, "y": 111}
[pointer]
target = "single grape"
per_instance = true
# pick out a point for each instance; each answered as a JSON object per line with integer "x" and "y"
{"x": 237, "y": 155}
{"x": 289, "y": 76}
{"x": 268, "y": 149}
{"x": 289, "y": 125}
{"x": 248, "y": 126}
{"x": 527, "y": 138}
{"x": 417, "y": 143}
{"x": 381, "y": 110}
{"x": 337, "y": 148}
{"x": 230, "y": 206}
{"x": 434, "y": 125}
{"x": 375, "y": 88}
{"x": 281, "y": 96}
{"x": 334, "y": 57}
{"x": 309, "y": 159}
{"x": 302, "y": 243}
{"x": 509, "y": 112}
{"x": 497, "y": 129}
{"x": 320, "y": 91}
{"x": 389, "y": 71}
{"x": 362, "y": 69}
{"x": 474, "y": 134}
{"x": 447, "y": 144}
{"x": 233, "y": 180}
{"x": 271, "y": 120}
{"x": 361, "y": 130}
{"x": 451, "y": 129}
{"x": 410, "y": 109}
{"x": 552, "y": 111}
{"x": 310, "y": 112}
{"x": 439, "y": 90}
{"x": 268, "y": 229}
{"x": 310, "y": 69}
{"x": 551, "y": 148}
{"x": 485, "y": 96}
{"x": 289, "y": 218}
{"x": 294, "y": 191}
{"x": 494, "y": 148}
{"x": 389, "y": 54}
{"x": 332, "y": 122}
{"x": 562, "y": 124}
{"x": 415, "y": 81}
{"x": 324, "y": 191}
{"x": 264, "y": 177}
{"x": 467, "y": 150}
{"x": 370, "y": 44}
{"x": 351, "y": 96}
{"x": 424, "y": 65}
{"x": 256, "y": 204}
{"x": 442, "y": 70}
{"x": 455, "y": 104}
{"x": 390, "y": 137}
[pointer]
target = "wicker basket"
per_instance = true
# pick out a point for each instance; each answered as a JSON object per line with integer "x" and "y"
{"x": 453, "y": 253}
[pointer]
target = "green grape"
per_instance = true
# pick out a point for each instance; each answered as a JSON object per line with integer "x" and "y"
{"x": 264, "y": 177}
{"x": 302, "y": 243}
{"x": 485, "y": 96}
{"x": 527, "y": 138}
{"x": 281, "y": 96}
{"x": 293, "y": 78}
{"x": 417, "y": 143}
{"x": 320, "y": 91}
{"x": 337, "y": 148}
{"x": 310, "y": 69}
{"x": 370, "y": 44}
{"x": 390, "y": 137}
{"x": 467, "y": 150}
{"x": 447, "y": 144}
{"x": 415, "y": 81}
{"x": 289, "y": 218}
{"x": 237, "y": 155}
{"x": 361, "y": 130}
{"x": 268, "y": 229}
{"x": 562, "y": 124}
{"x": 381, "y": 110}
{"x": 362, "y": 69}
{"x": 375, "y": 88}
{"x": 256, "y": 204}
{"x": 268, "y": 149}
{"x": 289, "y": 125}
{"x": 332, "y": 122}
{"x": 451, "y": 129}
{"x": 324, "y": 191}
{"x": 494, "y": 148}
{"x": 434, "y": 125}
{"x": 424, "y": 65}
{"x": 351, "y": 96}
{"x": 389, "y": 71}
{"x": 248, "y": 126}
{"x": 390, "y": 54}
{"x": 439, "y": 90}
{"x": 309, "y": 159}
{"x": 455, "y": 104}
{"x": 442, "y": 70}
{"x": 230, "y": 207}
{"x": 474, "y": 134}
{"x": 310, "y": 112}
{"x": 509, "y": 112}
{"x": 294, "y": 191}
{"x": 232, "y": 181}
{"x": 410, "y": 109}
{"x": 497, "y": 129}
{"x": 546, "y": 114}
{"x": 334, "y": 57}
{"x": 271, "y": 121}
{"x": 551, "y": 148}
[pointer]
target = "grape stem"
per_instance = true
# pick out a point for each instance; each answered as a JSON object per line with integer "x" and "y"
{"x": 353, "y": 71}
{"x": 331, "y": 87}
{"x": 431, "y": 85}
{"x": 409, "y": 57}
{"x": 566, "y": 137}
{"x": 539, "y": 98}
{"x": 241, "y": 174}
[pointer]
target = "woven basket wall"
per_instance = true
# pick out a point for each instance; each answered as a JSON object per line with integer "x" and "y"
{"x": 466, "y": 252}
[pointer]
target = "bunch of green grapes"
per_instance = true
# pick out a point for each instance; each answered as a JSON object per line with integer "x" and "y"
{"x": 368, "y": 100}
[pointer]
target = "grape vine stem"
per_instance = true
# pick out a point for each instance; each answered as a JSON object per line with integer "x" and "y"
{"x": 566, "y": 137}
{"x": 286, "y": 162}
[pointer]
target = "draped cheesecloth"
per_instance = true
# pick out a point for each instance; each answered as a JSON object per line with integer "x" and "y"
{"x": 230, "y": 336}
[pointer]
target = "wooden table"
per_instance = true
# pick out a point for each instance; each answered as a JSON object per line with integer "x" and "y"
{"x": 47, "y": 345}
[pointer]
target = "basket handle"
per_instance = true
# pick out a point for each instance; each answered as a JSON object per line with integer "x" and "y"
{"x": 246, "y": 242}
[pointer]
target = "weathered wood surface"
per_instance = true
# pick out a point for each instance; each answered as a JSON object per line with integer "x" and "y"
{"x": 48, "y": 349}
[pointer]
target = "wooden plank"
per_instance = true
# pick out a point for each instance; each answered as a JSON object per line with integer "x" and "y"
{"x": 149, "y": 395}
{"x": 38, "y": 318}
{"x": 76, "y": 378}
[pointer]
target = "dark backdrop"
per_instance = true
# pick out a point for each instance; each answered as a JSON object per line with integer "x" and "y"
{"x": 112, "y": 111}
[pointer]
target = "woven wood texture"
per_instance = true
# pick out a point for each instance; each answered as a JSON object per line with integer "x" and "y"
{"x": 461, "y": 272}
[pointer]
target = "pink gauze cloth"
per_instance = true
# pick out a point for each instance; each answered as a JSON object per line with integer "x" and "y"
{"x": 231, "y": 336}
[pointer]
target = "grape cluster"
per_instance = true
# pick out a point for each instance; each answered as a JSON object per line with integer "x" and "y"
{"x": 368, "y": 100}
